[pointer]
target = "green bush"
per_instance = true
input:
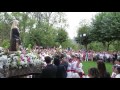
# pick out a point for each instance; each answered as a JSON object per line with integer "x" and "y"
{"x": 6, "y": 44}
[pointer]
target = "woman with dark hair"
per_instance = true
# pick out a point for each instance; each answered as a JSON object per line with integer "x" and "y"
{"x": 102, "y": 69}
{"x": 117, "y": 72}
{"x": 93, "y": 73}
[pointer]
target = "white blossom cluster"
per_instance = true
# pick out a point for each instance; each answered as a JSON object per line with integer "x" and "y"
{"x": 19, "y": 60}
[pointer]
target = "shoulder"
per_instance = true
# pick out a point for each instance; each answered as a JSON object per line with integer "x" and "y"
{"x": 117, "y": 76}
{"x": 49, "y": 67}
{"x": 81, "y": 64}
{"x": 15, "y": 28}
{"x": 107, "y": 74}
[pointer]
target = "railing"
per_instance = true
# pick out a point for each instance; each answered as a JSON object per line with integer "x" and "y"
{"x": 9, "y": 73}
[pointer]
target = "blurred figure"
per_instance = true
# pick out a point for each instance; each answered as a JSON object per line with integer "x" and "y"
{"x": 113, "y": 71}
{"x": 69, "y": 72}
{"x": 64, "y": 63}
{"x": 117, "y": 70}
{"x": 50, "y": 70}
{"x": 93, "y": 73}
{"x": 102, "y": 69}
{"x": 61, "y": 70}
{"x": 14, "y": 36}
{"x": 79, "y": 68}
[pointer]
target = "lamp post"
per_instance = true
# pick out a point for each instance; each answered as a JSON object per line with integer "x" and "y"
{"x": 84, "y": 40}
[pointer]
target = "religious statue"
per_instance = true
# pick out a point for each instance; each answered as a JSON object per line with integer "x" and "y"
{"x": 14, "y": 36}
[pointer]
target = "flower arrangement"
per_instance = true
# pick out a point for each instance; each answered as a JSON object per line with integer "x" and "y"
{"x": 20, "y": 60}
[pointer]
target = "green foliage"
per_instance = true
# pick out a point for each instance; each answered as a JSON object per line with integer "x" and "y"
{"x": 83, "y": 40}
{"x": 35, "y": 27}
{"x": 62, "y": 36}
{"x": 96, "y": 46}
{"x": 89, "y": 64}
{"x": 105, "y": 28}
{"x": 115, "y": 45}
{"x": 70, "y": 43}
{"x": 48, "y": 29}
{"x": 6, "y": 44}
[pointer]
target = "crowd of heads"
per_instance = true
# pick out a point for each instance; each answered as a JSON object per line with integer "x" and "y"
{"x": 69, "y": 62}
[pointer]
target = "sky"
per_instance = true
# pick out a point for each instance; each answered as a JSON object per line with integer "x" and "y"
{"x": 74, "y": 18}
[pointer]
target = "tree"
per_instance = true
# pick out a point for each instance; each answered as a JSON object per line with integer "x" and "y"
{"x": 35, "y": 27}
{"x": 5, "y": 25}
{"x": 62, "y": 36}
{"x": 84, "y": 29}
{"x": 106, "y": 28}
{"x": 26, "y": 22}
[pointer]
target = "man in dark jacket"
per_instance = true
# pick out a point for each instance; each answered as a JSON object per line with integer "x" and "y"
{"x": 64, "y": 63}
{"x": 50, "y": 70}
{"x": 114, "y": 57}
{"x": 61, "y": 70}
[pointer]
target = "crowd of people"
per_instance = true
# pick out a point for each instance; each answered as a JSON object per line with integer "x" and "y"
{"x": 63, "y": 63}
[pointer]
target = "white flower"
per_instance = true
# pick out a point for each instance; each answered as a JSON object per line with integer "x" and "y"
{"x": 11, "y": 55}
{"x": 1, "y": 53}
{"x": 4, "y": 57}
{"x": 8, "y": 60}
{"x": 1, "y": 48}
{"x": 15, "y": 58}
{"x": 1, "y": 65}
{"x": 14, "y": 64}
{"x": 31, "y": 61}
{"x": 7, "y": 65}
{"x": 19, "y": 52}
{"x": 20, "y": 67}
{"x": 22, "y": 63}
{"x": 22, "y": 55}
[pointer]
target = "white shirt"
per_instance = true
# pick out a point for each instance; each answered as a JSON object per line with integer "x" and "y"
{"x": 113, "y": 75}
{"x": 117, "y": 76}
{"x": 75, "y": 75}
{"x": 69, "y": 66}
{"x": 79, "y": 68}
{"x": 74, "y": 65}
{"x": 80, "y": 65}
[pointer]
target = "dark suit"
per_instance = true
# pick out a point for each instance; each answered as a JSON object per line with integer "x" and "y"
{"x": 61, "y": 71}
{"x": 65, "y": 64}
{"x": 49, "y": 71}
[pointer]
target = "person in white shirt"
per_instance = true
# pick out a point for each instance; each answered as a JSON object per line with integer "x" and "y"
{"x": 74, "y": 62}
{"x": 79, "y": 69}
{"x": 69, "y": 72}
{"x": 113, "y": 71}
{"x": 74, "y": 74}
{"x": 117, "y": 72}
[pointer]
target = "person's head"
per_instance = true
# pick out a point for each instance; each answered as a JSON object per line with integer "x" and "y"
{"x": 114, "y": 68}
{"x": 93, "y": 72}
{"x": 78, "y": 59}
{"x": 56, "y": 61}
{"x": 15, "y": 24}
{"x": 73, "y": 57}
{"x": 117, "y": 70}
{"x": 118, "y": 61}
{"x": 47, "y": 59}
{"x": 101, "y": 67}
{"x": 62, "y": 56}
{"x": 70, "y": 59}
